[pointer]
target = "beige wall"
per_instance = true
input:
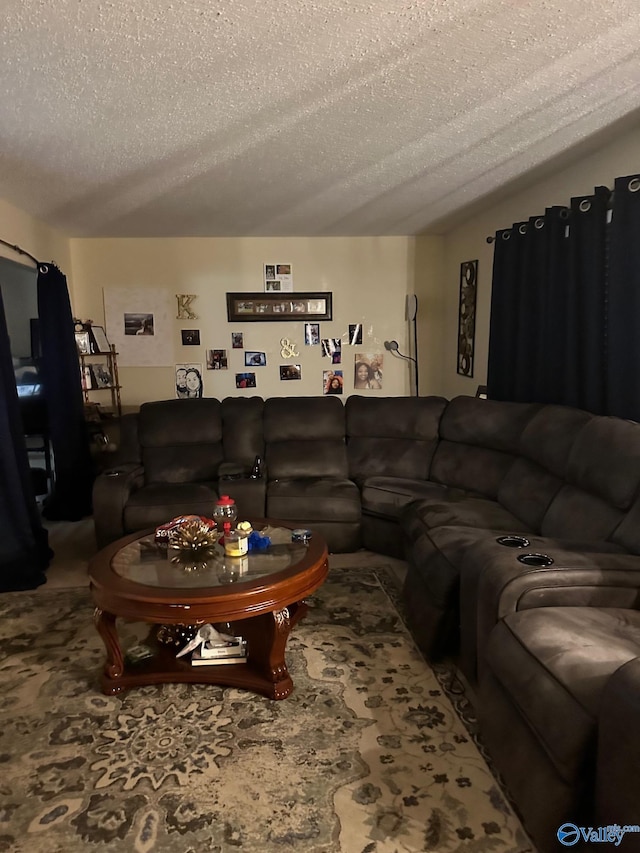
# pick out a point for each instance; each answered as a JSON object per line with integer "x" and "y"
{"x": 369, "y": 279}
{"x": 618, "y": 158}
{"x": 41, "y": 241}
{"x": 432, "y": 300}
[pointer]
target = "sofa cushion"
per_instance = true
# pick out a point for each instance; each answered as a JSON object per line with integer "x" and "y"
{"x": 462, "y": 510}
{"x": 554, "y": 663}
{"x": 549, "y": 436}
{"x": 527, "y": 491}
{"x": 242, "y": 433}
{"x": 392, "y": 436}
{"x": 309, "y": 499}
{"x": 576, "y": 514}
{"x": 160, "y": 502}
{"x": 486, "y": 423}
{"x": 627, "y": 533}
{"x": 387, "y": 496}
{"x": 181, "y": 440}
{"x": 605, "y": 460}
{"x": 305, "y": 437}
{"x": 603, "y": 481}
{"x": 479, "y": 441}
{"x": 477, "y": 469}
{"x": 617, "y": 778}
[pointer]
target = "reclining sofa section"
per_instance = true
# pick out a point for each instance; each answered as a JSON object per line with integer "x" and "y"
{"x": 345, "y": 470}
{"x": 521, "y": 529}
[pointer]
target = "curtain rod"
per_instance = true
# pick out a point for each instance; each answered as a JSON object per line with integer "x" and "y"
{"x": 22, "y": 252}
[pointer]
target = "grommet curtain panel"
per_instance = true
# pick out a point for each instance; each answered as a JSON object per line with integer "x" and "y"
{"x": 565, "y": 305}
{"x": 70, "y": 498}
{"x": 24, "y": 550}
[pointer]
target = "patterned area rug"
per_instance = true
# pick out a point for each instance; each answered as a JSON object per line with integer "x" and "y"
{"x": 367, "y": 755}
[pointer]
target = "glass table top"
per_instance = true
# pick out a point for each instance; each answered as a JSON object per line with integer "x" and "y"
{"x": 151, "y": 563}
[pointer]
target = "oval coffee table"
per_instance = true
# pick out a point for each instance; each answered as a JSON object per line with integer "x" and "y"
{"x": 260, "y": 595}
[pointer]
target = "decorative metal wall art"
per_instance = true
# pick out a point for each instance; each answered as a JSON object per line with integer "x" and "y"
{"x": 467, "y": 316}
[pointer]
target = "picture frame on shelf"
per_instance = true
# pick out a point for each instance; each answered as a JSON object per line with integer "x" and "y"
{"x": 101, "y": 375}
{"x": 258, "y": 307}
{"x": 100, "y": 339}
{"x": 86, "y": 378}
{"x": 83, "y": 342}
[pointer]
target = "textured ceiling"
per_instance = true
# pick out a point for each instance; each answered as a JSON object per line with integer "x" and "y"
{"x": 297, "y": 117}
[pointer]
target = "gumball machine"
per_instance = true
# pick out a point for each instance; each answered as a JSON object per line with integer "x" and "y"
{"x": 225, "y": 513}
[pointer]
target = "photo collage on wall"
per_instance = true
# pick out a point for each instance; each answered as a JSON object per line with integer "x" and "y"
{"x": 142, "y": 316}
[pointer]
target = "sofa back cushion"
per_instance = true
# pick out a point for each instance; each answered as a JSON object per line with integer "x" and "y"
{"x": 181, "y": 440}
{"x": 242, "y": 429}
{"x": 603, "y": 480}
{"x": 392, "y": 436}
{"x": 305, "y": 437}
{"x": 537, "y": 476}
{"x": 479, "y": 441}
{"x": 627, "y": 533}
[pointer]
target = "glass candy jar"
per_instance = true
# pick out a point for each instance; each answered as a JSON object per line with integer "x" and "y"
{"x": 225, "y": 513}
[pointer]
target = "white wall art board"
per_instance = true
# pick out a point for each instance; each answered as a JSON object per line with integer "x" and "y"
{"x": 140, "y": 350}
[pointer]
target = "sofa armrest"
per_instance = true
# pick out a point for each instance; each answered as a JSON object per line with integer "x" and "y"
{"x": 618, "y": 757}
{"x": 585, "y": 580}
{"x": 111, "y": 491}
{"x": 574, "y": 579}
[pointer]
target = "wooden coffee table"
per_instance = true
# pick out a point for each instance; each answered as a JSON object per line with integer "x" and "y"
{"x": 261, "y": 596}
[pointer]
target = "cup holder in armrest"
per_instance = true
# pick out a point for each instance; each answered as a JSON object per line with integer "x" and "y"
{"x": 512, "y": 541}
{"x": 536, "y": 559}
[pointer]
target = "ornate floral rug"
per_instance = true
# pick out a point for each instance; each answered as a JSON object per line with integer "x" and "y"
{"x": 367, "y": 755}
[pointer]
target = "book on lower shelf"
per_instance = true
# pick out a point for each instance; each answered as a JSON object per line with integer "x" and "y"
{"x": 237, "y": 646}
{"x": 197, "y": 659}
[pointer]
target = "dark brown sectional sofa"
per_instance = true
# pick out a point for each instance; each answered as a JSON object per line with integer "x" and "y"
{"x": 520, "y": 524}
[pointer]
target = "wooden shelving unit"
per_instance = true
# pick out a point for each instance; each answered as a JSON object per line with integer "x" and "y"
{"x": 99, "y": 374}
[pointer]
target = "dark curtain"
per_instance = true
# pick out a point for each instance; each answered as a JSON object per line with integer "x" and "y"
{"x": 529, "y": 263}
{"x": 585, "y": 354}
{"x": 565, "y": 306}
{"x": 623, "y": 362}
{"x": 24, "y": 552}
{"x": 508, "y": 261}
{"x": 70, "y": 498}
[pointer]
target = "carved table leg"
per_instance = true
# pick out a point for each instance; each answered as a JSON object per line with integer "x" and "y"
{"x": 114, "y": 665}
{"x": 267, "y": 636}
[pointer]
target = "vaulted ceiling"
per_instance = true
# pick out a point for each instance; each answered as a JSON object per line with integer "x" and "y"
{"x": 299, "y": 117}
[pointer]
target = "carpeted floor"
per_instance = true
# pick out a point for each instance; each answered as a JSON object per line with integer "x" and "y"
{"x": 366, "y": 756}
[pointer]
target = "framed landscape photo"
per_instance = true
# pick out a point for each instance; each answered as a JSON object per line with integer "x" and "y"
{"x": 273, "y": 307}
